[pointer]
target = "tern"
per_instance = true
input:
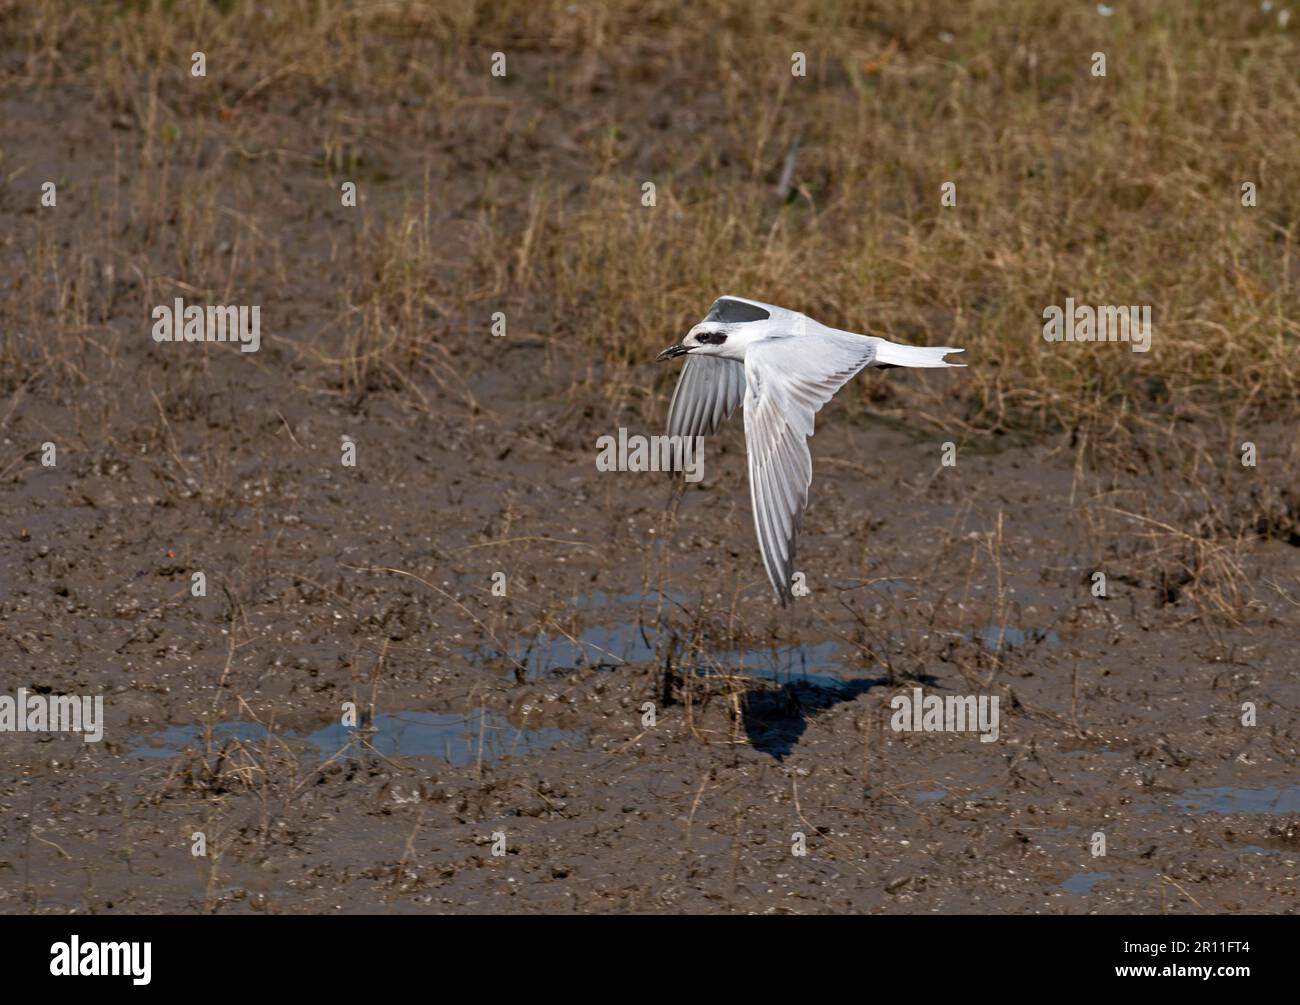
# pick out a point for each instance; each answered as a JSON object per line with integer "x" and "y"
{"x": 786, "y": 366}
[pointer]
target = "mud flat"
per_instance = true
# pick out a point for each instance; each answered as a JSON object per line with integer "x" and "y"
{"x": 472, "y": 672}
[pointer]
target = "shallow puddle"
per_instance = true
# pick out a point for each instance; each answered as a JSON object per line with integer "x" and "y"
{"x": 453, "y": 737}
{"x": 821, "y": 664}
{"x": 1230, "y": 799}
{"x": 1083, "y": 882}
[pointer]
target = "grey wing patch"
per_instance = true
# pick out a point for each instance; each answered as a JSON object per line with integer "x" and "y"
{"x": 708, "y": 391}
{"x": 731, "y": 311}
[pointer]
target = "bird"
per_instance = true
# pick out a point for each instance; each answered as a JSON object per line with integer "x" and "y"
{"x": 785, "y": 366}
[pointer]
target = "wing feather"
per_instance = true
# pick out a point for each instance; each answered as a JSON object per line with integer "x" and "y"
{"x": 788, "y": 380}
{"x": 708, "y": 391}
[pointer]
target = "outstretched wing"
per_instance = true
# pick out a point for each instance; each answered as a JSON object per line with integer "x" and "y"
{"x": 788, "y": 380}
{"x": 708, "y": 391}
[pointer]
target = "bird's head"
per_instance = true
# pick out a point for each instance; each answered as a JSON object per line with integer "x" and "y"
{"x": 708, "y": 338}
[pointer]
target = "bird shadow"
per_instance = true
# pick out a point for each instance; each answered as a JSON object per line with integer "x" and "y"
{"x": 775, "y": 720}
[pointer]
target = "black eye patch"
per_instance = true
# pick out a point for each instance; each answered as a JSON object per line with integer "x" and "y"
{"x": 711, "y": 338}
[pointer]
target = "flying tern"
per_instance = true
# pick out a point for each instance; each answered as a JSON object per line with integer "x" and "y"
{"x": 786, "y": 366}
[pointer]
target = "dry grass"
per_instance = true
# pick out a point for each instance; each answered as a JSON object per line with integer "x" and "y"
{"x": 522, "y": 194}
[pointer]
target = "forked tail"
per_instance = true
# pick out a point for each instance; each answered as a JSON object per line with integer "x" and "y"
{"x": 893, "y": 354}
